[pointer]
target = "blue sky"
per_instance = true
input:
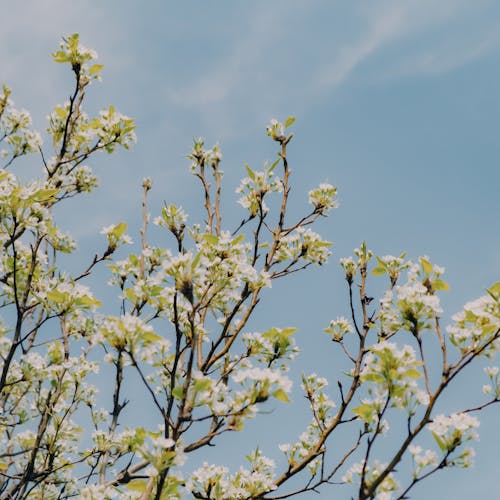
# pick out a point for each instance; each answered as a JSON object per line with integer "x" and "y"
{"x": 397, "y": 104}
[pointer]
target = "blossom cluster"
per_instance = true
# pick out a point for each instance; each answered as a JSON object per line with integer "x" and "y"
{"x": 303, "y": 244}
{"x": 321, "y": 406}
{"x": 216, "y": 482}
{"x": 394, "y": 373}
{"x": 323, "y": 197}
{"x": 477, "y": 325}
{"x": 371, "y": 473}
{"x": 255, "y": 187}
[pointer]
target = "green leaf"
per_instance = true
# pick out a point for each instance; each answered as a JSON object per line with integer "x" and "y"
{"x": 137, "y": 485}
{"x": 154, "y": 434}
{"x": 275, "y": 163}
{"x": 140, "y": 434}
{"x": 250, "y": 172}
{"x": 151, "y": 337}
{"x": 155, "y": 290}
{"x": 211, "y": 238}
{"x": 365, "y": 412}
{"x": 95, "y": 69}
{"x": 202, "y": 385}
{"x": 489, "y": 329}
{"x": 440, "y": 442}
{"x": 374, "y": 377}
{"x": 178, "y": 392}
{"x": 238, "y": 240}
{"x": 119, "y": 230}
{"x": 44, "y": 195}
{"x": 397, "y": 391}
{"x": 289, "y": 121}
{"x": 72, "y": 42}
{"x": 196, "y": 260}
{"x": 281, "y": 395}
{"x": 56, "y": 296}
{"x": 88, "y": 301}
{"x": 440, "y": 285}
{"x": 378, "y": 271}
{"x": 61, "y": 56}
{"x": 426, "y": 265}
{"x": 412, "y": 373}
{"x": 494, "y": 290}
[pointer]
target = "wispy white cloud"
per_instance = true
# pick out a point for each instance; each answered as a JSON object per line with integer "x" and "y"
{"x": 382, "y": 28}
{"x": 396, "y": 24}
{"x": 261, "y": 27}
{"x": 416, "y": 37}
{"x": 446, "y": 57}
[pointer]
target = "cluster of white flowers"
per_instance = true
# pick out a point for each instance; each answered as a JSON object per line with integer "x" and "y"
{"x": 14, "y": 128}
{"x": 392, "y": 266}
{"x": 349, "y": 267}
{"x": 323, "y": 197}
{"x": 7, "y": 185}
{"x": 200, "y": 157}
{"x": 107, "y": 131}
{"x": 416, "y": 302}
{"x": 414, "y": 305}
{"x": 62, "y": 294}
{"x": 450, "y": 432}
{"x": 28, "y": 205}
{"x": 116, "y": 235}
{"x": 127, "y": 332}
{"x": 389, "y": 316}
{"x": 371, "y": 473}
{"x": 303, "y": 244}
{"x": 24, "y": 256}
{"x": 160, "y": 452}
{"x": 394, "y": 373}
{"x": 172, "y": 217}
{"x": 215, "y": 482}
{"x": 254, "y": 188}
{"x": 276, "y": 130}
{"x": 275, "y": 344}
{"x": 71, "y": 50}
{"x": 114, "y": 128}
{"x": 476, "y": 324}
{"x": 363, "y": 254}
{"x": 262, "y": 382}
{"x": 425, "y": 269}
{"x": 338, "y": 328}
{"x": 83, "y": 135}
{"x": 494, "y": 386}
{"x": 428, "y": 458}
{"x": 321, "y": 406}
{"x": 98, "y": 492}
{"x": 224, "y": 267}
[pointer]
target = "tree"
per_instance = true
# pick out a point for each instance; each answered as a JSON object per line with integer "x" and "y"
{"x": 180, "y": 331}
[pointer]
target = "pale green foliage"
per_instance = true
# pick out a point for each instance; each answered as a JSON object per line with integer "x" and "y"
{"x": 182, "y": 332}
